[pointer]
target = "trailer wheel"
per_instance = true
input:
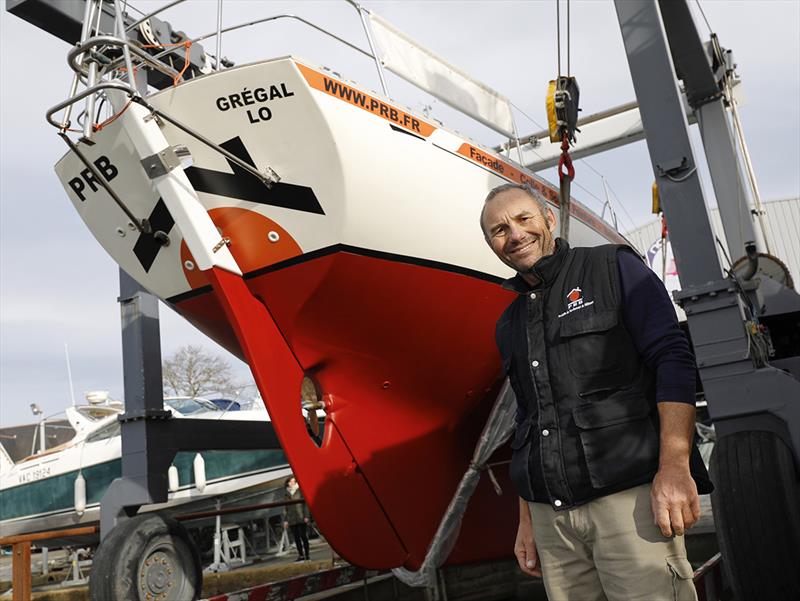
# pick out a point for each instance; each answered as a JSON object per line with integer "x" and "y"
{"x": 757, "y": 515}
{"x": 146, "y": 557}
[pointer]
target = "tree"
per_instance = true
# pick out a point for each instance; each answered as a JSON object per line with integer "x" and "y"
{"x": 193, "y": 371}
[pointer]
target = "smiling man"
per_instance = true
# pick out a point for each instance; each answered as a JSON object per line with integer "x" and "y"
{"x": 603, "y": 459}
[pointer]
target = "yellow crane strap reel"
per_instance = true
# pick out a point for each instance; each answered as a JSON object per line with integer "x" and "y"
{"x": 563, "y": 94}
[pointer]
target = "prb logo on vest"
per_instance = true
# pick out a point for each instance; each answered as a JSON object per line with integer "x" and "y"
{"x": 575, "y": 301}
{"x": 574, "y": 298}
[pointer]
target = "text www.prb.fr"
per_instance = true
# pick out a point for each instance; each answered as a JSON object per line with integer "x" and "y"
{"x": 371, "y": 104}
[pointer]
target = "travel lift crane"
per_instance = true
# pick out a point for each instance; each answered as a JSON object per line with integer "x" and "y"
{"x": 744, "y": 326}
{"x": 753, "y": 395}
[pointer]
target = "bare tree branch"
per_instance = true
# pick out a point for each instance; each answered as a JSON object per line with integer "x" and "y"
{"x": 193, "y": 371}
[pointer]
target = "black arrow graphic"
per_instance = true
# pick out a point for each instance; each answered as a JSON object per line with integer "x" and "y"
{"x": 245, "y": 186}
{"x": 147, "y": 245}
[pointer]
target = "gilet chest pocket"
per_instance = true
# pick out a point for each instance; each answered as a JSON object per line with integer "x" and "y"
{"x": 593, "y": 343}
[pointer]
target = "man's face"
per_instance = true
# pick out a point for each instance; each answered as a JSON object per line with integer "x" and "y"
{"x": 517, "y": 231}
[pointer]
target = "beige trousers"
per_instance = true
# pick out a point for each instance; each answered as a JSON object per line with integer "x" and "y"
{"x": 610, "y": 549}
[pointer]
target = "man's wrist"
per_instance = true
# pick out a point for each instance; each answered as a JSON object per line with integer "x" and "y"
{"x": 674, "y": 465}
{"x": 524, "y": 511}
{"x": 674, "y": 454}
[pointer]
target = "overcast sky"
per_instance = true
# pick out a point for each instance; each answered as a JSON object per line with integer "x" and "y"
{"x": 58, "y": 286}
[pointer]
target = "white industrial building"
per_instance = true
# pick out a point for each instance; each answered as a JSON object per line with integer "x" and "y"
{"x": 782, "y": 224}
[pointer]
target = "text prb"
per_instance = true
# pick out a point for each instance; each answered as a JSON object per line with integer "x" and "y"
{"x": 86, "y": 178}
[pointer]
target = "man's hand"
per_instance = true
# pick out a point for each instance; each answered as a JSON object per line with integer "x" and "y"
{"x": 525, "y": 546}
{"x": 674, "y": 500}
{"x": 673, "y": 495}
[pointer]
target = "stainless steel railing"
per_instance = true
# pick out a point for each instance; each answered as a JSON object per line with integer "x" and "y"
{"x": 98, "y": 56}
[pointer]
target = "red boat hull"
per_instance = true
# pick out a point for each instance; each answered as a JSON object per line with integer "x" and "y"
{"x": 404, "y": 354}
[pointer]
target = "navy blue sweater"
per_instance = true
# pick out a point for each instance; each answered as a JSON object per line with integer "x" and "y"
{"x": 650, "y": 318}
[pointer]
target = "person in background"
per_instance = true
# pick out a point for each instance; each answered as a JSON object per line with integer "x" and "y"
{"x": 296, "y": 518}
{"x": 604, "y": 459}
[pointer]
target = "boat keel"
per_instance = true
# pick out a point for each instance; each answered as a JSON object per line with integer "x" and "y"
{"x": 328, "y": 475}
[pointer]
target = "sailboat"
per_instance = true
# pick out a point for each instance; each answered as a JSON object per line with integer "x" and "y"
{"x": 325, "y": 234}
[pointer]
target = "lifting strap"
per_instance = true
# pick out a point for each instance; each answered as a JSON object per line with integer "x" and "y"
{"x": 565, "y": 180}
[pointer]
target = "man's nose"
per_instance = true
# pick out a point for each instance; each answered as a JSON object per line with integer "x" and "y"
{"x": 516, "y": 233}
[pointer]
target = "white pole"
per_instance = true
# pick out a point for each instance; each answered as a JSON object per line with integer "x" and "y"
{"x": 372, "y": 46}
{"x": 76, "y": 568}
{"x": 42, "y": 438}
{"x": 69, "y": 375}
{"x": 218, "y": 541}
{"x": 751, "y": 176}
{"x": 219, "y": 35}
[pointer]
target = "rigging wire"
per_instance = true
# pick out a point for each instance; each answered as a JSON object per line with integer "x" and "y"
{"x": 602, "y": 202}
{"x": 613, "y": 193}
{"x": 616, "y": 196}
{"x": 568, "y": 45}
{"x": 558, "y": 35}
{"x": 702, "y": 12}
{"x": 527, "y": 116}
{"x": 622, "y": 206}
{"x": 132, "y": 7}
{"x": 590, "y": 193}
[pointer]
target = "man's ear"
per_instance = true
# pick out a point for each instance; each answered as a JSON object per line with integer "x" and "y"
{"x": 551, "y": 220}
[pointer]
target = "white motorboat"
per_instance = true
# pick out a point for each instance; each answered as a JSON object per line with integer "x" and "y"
{"x": 61, "y": 487}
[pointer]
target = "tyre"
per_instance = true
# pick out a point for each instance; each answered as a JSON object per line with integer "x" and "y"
{"x": 756, "y": 505}
{"x": 146, "y": 558}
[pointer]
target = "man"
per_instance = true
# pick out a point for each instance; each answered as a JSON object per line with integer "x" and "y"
{"x": 603, "y": 458}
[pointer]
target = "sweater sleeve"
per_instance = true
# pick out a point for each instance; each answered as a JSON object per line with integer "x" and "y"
{"x": 649, "y": 316}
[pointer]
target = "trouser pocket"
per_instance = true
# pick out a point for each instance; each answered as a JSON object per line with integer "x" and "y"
{"x": 682, "y": 574}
